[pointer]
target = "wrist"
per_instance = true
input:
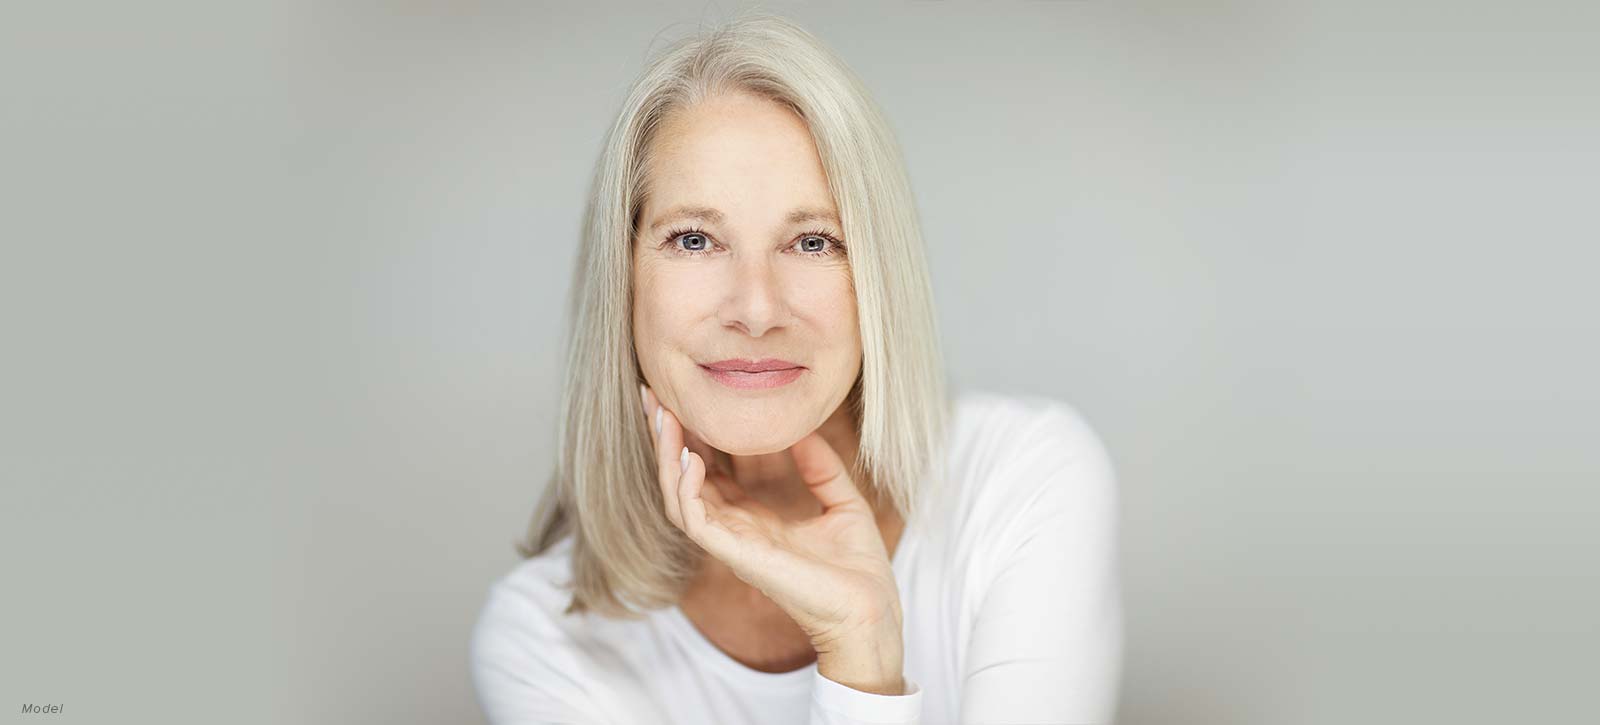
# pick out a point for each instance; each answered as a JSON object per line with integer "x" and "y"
{"x": 872, "y": 663}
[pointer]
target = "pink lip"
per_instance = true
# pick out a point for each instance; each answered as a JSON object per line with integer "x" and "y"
{"x": 751, "y": 366}
{"x": 753, "y": 374}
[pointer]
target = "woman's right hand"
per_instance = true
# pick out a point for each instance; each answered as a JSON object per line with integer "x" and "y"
{"x": 831, "y": 573}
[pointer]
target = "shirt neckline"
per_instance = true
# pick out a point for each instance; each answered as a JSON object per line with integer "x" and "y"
{"x": 796, "y": 679}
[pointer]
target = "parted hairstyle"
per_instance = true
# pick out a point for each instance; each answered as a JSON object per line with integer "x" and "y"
{"x": 627, "y": 555}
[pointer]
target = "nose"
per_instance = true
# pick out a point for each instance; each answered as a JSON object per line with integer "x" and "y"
{"x": 755, "y": 302}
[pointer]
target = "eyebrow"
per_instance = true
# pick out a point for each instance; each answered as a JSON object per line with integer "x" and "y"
{"x": 713, "y": 216}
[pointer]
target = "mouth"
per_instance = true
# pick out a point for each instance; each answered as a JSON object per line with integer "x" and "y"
{"x": 753, "y": 374}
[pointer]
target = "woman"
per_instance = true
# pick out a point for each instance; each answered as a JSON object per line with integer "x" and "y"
{"x": 766, "y": 509}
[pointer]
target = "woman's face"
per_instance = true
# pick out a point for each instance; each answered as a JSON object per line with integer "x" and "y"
{"x": 736, "y": 260}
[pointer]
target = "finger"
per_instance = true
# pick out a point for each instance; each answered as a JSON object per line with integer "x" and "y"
{"x": 716, "y": 502}
{"x": 668, "y": 467}
{"x": 732, "y": 505}
{"x": 669, "y": 442}
{"x": 707, "y": 453}
{"x": 727, "y": 489}
{"x": 651, "y": 406}
{"x": 824, "y": 473}
{"x": 669, "y": 498}
{"x": 716, "y": 473}
{"x": 665, "y": 481}
{"x": 725, "y": 501}
{"x": 704, "y": 529}
{"x": 689, "y": 502}
{"x": 649, "y": 415}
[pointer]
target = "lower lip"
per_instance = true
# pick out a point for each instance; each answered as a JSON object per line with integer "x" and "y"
{"x": 754, "y": 381}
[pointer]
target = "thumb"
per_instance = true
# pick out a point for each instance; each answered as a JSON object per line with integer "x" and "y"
{"x": 824, "y": 473}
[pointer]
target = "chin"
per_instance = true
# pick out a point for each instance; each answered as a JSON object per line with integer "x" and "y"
{"x": 740, "y": 440}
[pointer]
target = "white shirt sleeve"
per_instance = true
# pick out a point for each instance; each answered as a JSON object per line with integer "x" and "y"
{"x": 833, "y": 703}
{"x": 1046, "y": 640}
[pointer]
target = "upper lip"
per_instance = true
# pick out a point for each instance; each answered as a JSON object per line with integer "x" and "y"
{"x": 750, "y": 366}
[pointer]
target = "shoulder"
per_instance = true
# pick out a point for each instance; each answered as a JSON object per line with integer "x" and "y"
{"x": 1017, "y": 460}
{"x": 528, "y": 599}
{"x": 1023, "y": 436}
{"x": 521, "y": 639}
{"x": 1015, "y": 415}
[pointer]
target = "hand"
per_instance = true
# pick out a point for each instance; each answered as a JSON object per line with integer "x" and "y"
{"x": 831, "y": 574}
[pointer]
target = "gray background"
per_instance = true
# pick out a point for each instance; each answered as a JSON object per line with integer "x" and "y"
{"x": 282, "y": 286}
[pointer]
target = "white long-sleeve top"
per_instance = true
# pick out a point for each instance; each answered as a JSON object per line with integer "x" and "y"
{"x": 1009, "y": 591}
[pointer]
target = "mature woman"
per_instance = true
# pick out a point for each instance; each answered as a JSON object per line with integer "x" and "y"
{"x": 766, "y": 507}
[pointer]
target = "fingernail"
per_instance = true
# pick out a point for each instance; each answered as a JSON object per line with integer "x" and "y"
{"x": 658, "y": 420}
{"x": 644, "y": 400}
{"x": 683, "y": 459}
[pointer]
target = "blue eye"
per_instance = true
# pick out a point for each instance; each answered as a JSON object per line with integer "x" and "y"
{"x": 819, "y": 244}
{"x": 693, "y": 242}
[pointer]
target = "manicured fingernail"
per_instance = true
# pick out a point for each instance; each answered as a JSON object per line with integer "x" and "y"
{"x": 658, "y": 420}
{"x": 644, "y": 399}
{"x": 683, "y": 459}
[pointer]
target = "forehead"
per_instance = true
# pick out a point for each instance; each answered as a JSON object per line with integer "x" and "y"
{"x": 738, "y": 152}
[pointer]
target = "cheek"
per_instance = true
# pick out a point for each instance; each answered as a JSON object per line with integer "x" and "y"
{"x": 660, "y": 312}
{"x": 831, "y": 305}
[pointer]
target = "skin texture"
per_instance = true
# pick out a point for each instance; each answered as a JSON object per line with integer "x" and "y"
{"x": 797, "y": 555}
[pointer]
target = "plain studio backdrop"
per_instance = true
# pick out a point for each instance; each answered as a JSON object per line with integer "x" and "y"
{"x": 282, "y": 289}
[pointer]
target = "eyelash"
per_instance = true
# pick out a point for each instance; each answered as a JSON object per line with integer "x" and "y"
{"x": 835, "y": 246}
